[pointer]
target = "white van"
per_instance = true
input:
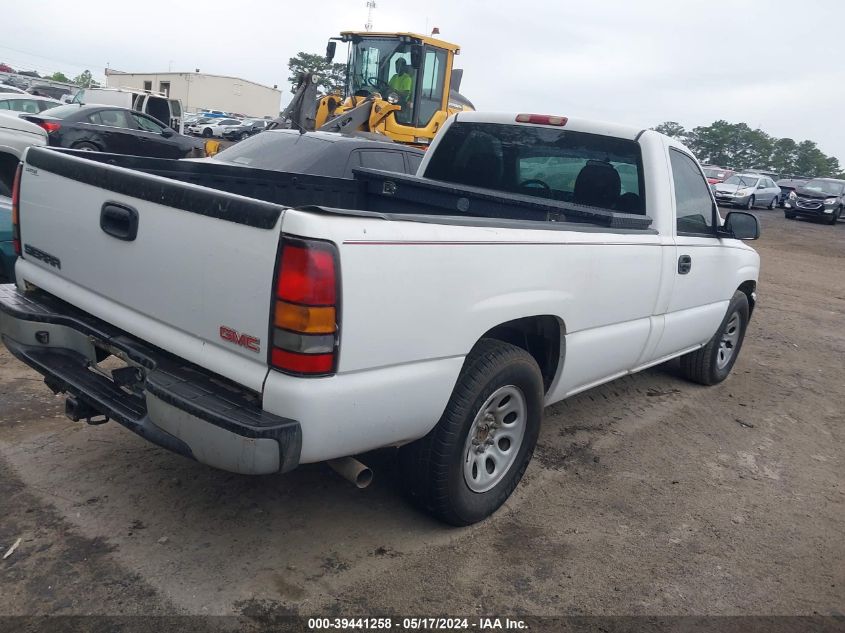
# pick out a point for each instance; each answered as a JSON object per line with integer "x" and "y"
{"x": 156, "y": 104}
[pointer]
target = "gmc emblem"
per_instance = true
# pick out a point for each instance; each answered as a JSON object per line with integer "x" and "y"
{"x": 244, "y": 340}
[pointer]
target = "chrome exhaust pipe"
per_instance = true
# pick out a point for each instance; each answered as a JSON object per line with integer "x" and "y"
{"x": 352, "y": 470}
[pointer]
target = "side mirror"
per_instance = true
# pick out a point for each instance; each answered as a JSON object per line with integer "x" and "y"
{"x": 331, "y": 47}
{"x": 416, "y": 55}
{"x": 167, "y": 133}
{"x": 740, "y": 225}
{"x": 761, "y": 186}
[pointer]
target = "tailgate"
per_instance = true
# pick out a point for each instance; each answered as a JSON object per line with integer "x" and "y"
{"x": 197, "y": 268}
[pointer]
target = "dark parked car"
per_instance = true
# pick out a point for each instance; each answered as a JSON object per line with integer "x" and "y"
{"x": 248, "y": 128}
{"x": 320, "y": 153}
{"x": 54, "y": 92}
{"x": 817, "y": 198}
{"x": 111, "y": 129}
{"x": 787, "y": 186}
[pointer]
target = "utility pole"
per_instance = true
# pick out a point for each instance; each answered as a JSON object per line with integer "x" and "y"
{"x": 371, "y": 4}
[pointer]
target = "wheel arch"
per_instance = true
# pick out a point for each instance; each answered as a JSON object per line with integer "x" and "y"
{"x": 543, "y": 336}
{"x": 749, "y": 288}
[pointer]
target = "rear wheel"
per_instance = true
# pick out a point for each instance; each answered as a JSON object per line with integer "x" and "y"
{"x": 712, "y": 363}
{"x": 471, "y": 461}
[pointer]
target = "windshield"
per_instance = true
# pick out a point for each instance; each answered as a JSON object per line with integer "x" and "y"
{"x": 824, "y": 186}
{"x": 742, "y": 181}
{"x": 576, "y": 167}
{"x": 284, "y": 151}
{"x": 383, "y": 65}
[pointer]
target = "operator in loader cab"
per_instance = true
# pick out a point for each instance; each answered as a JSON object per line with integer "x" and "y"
{"x": 401, "y": 82}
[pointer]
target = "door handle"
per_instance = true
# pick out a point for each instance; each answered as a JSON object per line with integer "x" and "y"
{"x": 119, "y": 221}
{"x": 684, "y": 264}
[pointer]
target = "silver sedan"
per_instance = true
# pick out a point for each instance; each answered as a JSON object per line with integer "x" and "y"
{"x": 748, "y": 190}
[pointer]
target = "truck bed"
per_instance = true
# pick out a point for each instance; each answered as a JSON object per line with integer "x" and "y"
{"x": 387, "y": 194}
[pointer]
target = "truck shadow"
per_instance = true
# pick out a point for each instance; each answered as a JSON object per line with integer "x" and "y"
{"x": 202, "y": 528}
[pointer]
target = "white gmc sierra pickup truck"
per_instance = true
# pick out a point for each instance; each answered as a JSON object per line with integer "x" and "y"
{"x": 258, "y": 320}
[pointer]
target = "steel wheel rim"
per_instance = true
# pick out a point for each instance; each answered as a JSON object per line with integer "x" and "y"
{"x": 729, "y": 341}
{"x": 494, "y": 439}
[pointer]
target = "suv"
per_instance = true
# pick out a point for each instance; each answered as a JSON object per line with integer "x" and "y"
{"x": 818, "y": 198}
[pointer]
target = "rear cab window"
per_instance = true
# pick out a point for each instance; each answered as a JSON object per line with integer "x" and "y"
{"x": 558, "y": 164}
{"x": 381, "y": 159}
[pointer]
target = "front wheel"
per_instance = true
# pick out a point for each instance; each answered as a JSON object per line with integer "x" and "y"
{"x": 712, "y": 363}
{"x": 772, "y": 203}
{"x": 207, "y": 133}
{"x": 471, "y": 461}
{"x": 750, "y": 204}
{"x": 835, "y": 217}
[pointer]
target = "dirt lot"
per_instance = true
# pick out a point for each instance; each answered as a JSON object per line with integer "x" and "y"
{"x": 649, "y": 495}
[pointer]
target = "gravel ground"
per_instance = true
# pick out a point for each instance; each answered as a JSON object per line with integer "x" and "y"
{"x": 649, "y": 496}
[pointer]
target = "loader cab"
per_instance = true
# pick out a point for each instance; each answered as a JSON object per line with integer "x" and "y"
{"x": 411, "y": 71}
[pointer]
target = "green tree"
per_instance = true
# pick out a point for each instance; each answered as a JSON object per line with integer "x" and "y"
{"x": 783, "y": 156}
{"x": 85, "y": 79}
{"x": 732, "y": 145}
{"x": 713, "y": 143}
{"x": 810, "y": 160}
{"x": 59, "y": 76}
{"x": 671, "y": 128}
{"x": 332, "y": 77}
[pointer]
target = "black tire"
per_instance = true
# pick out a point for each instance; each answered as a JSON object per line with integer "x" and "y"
{"x": 243, "y": 136}
{"x": 788, "y": 215}
{"x": 835, "y": 217}
{"x": 207, "y": 133}
{"x": 772, "y": 203}
{"x": 88, "y": 147}
{"x": 433, "y": 467}
{"x": 704, "y": 365}
{"x": 750, "y": 204}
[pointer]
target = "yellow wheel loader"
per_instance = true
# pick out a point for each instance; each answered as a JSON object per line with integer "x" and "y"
{"x": 399, "y": 85}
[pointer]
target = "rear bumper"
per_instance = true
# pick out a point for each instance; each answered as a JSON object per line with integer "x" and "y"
{"x": 169, "y": 402}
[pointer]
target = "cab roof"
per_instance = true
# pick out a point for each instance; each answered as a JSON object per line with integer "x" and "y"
{"x": 412, "y": 36}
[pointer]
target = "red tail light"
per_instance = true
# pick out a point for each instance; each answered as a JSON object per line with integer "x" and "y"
{"x": 304, "y": 325}
{"x": 542, "y": 119}
{"x": 16, "y": 199}
{"x": 50, "y": 126}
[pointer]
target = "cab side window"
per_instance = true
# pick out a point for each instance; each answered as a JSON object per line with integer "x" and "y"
{"x": 693, "y": 203}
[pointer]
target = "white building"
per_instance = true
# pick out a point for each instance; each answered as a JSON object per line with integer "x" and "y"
{"x": 199, "y": 91}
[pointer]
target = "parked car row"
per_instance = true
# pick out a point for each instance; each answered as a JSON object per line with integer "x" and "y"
{"x": 228, "y": 128}
{"x": 822, "y": 198}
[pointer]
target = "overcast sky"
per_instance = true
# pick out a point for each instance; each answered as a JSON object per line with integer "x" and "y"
{"x": 770, "y": 63}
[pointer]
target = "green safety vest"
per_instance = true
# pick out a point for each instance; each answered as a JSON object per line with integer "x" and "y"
{"x": 401, "y": 83}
